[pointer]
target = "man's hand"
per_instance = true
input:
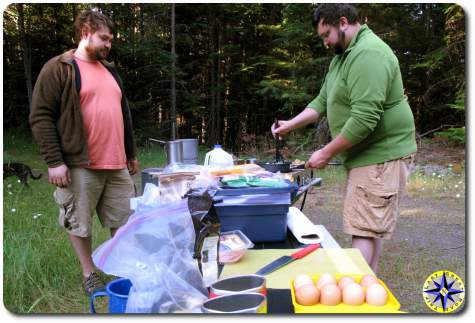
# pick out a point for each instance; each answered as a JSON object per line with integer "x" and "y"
{"x": 285, "y": 126}
{"x": 308, "y": 115}
{"x": 319, "y": 159}
{"x": 59, "y": 176}
{"x": 133, "y": 166}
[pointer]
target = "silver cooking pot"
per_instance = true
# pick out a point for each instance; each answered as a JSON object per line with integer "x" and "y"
{"x": 180, "y": 150}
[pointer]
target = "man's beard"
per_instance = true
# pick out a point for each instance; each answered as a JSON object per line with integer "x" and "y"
{"x": 339, "y": 47}
{"x": 96, "y": 53}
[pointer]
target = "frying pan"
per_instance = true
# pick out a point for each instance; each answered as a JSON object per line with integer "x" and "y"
{"x": 279, "y": 164}
{"x": 274, "y": 167}
{"x": 285, "y": 166}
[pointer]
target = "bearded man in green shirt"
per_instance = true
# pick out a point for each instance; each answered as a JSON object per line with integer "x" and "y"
{"x": 371, "y": 124}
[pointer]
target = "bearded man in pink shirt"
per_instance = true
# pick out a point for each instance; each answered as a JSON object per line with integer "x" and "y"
{"x": 81, "y": 120}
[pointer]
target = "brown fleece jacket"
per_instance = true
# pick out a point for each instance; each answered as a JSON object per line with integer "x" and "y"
{"x": 55, "y": 116}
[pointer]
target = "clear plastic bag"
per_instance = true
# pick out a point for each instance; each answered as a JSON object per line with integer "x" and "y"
{"x": 149, "y": 199}
{"x": 154, "y": 249}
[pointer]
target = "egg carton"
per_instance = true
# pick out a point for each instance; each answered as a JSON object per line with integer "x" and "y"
{"x": 392, "y": 305}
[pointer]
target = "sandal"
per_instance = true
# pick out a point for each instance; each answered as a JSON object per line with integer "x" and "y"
{"x": 92, "y": 283}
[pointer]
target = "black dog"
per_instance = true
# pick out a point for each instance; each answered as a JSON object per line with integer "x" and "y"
{"x": 20, "y": 170}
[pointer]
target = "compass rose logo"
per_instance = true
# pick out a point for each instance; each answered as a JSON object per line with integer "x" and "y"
{"x": 443, "y": 291}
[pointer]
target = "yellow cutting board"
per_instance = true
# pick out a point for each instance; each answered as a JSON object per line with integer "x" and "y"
{"x": 333, "y": 261}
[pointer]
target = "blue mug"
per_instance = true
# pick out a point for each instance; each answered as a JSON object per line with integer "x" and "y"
{"x": 118, "y": 293}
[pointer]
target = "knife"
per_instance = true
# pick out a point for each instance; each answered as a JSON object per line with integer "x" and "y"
{"x": 284, "y": 260}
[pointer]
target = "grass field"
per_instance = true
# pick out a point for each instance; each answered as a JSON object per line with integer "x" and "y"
{"x": 41, "y": 274}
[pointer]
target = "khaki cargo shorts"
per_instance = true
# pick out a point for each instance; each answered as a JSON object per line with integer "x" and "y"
{"x": 371, "y": 198}
{"x": 108, "y": 192}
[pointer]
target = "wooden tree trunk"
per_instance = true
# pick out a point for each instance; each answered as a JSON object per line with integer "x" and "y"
{"x": 219, "y": 107}
{"x": 212, "y": 111}
{"x": 25, "y": 49}
{"x": 173, "y": 89}
{"x": 243, "y": 128}
{"x": 212, "y": 137}
{"x": 74, "y": 11}
{"x": 426, "y": 14}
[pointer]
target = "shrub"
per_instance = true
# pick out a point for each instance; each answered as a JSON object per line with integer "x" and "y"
{"x": 456, "y": 135}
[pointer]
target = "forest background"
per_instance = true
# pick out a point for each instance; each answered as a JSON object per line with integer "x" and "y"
{"x": 234, "y": 67}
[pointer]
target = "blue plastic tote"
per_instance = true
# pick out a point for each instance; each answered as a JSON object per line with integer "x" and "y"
{"x": 118, "y": 293}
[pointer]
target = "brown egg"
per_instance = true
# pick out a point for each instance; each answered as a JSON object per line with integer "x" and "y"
{"x": 330, "y": 294}
{"x": 367, "y": 280}
{"x": 353, "y": 294}
{"x": 376, "y": 295}
{"x": 325, "y": 279}
{"x": 307, "y": 295}
{"x": 301, "y": 280}
{"x": 344, "y": 281}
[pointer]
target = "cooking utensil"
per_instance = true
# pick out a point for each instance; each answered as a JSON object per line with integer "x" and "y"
{"x": 190, "y": 150}
{"x": 180, "y": 150}
{"x": 302, "y": 166}
{"x": 278, "y": 156}
{"x": 298, "y": 167}
{"x": 334, "y": 163}
{"x": 274, "y": 167}
{"x": 304, "y": 188}
{"x": 173, "y": 149}
{"x": 174, "y": 152}
{"x": 284, "y": 260}
{"x": 239, "y": 284}
{"x": 286, "y": 166}
{"x": 236, "y": 303}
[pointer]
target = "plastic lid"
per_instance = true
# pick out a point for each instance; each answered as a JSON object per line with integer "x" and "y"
{"x": 234, "y": 240}
{"x": 217, "y": 146}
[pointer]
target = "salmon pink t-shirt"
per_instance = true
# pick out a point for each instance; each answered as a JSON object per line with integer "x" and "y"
{"x": 101, "y": 109}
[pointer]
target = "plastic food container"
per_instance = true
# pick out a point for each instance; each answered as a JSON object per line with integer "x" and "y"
{"x": 232, "y": 246}
{"x": 392, "y": 304}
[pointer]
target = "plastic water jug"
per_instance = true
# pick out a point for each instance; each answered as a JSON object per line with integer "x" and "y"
{"x": 218, "y": 158}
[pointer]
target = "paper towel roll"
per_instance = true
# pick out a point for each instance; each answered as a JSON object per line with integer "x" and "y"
{"x": 302, "y": 228}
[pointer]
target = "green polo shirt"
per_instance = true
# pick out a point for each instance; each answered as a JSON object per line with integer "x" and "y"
{"x": 363, "y": 98}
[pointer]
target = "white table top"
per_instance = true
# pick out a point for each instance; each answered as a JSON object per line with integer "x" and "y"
{"x": 328, "y": 240}
{"x": 306, "y": 232}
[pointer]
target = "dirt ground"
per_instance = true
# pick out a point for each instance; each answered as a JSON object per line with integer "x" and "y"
{"x": 430, "y": 233}
{"x": 439, "y": 151}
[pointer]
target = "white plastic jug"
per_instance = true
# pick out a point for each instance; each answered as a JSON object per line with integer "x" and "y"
{"x": 218, "y": 158}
